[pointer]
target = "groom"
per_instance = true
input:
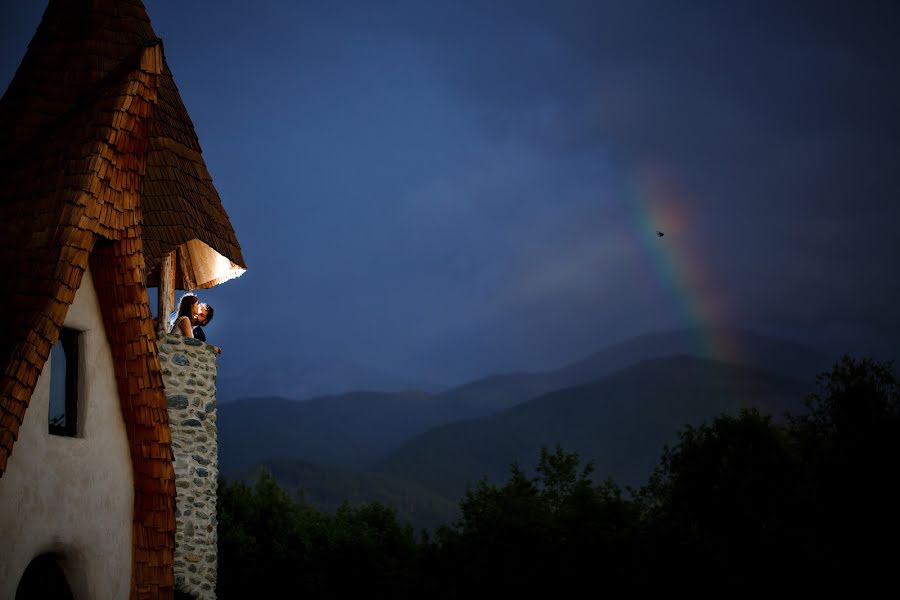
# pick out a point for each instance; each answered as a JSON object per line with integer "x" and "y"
{"x": 206, "y": 318}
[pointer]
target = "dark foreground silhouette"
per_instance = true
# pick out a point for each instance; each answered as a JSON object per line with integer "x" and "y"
{"x": 741, "y": 502}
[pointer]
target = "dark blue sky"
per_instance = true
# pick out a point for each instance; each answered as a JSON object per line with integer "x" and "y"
{"x": 440, "y": 190}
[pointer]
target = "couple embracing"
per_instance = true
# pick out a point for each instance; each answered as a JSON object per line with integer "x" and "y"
{"x": 192, "y": 316}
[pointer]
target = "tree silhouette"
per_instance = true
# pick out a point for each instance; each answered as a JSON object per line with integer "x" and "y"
{"x": 744, "y": 499}
{"x": 850, "y": 441}
{"x": 740, "y": 502}
{"x": 549, "y": 532}
{"x": 723, "y": 503}
{"x": 270, "y": 543}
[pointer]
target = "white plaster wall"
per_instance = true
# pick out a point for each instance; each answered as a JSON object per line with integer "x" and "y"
{"x": 73, "y": 497}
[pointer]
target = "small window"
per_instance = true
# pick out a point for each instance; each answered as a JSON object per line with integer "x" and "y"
{"x": 63, "y": 411}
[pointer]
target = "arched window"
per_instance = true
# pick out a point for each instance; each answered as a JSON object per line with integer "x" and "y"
{"x": 63, "y": 414}
{"x": 44, "y": 580}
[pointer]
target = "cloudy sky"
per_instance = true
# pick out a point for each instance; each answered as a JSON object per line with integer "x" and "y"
{"x": 440, "y": 190}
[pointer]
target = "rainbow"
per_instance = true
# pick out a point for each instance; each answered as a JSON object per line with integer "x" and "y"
{"x": 677, "y": 266}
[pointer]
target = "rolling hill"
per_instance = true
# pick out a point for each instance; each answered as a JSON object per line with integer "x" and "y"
{"x": 499, "y": 392}
{"x": 303, "y": 377}
{"x": 620, "y": 422}
{"x": 350, "y": 430}
{"x": 326, "y": 488}
{"x": 357, "y": 429}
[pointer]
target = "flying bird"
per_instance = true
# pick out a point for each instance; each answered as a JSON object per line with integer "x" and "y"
{"x": 660, "y": 233}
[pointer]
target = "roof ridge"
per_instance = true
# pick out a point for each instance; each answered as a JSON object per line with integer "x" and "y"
{"x": 95, "y": 91}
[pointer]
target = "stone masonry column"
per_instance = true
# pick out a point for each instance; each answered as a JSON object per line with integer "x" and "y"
{"x": 189, "y": 377}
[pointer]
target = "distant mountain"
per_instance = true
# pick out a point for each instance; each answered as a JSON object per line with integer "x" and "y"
{"x": 326, "y": 488}
{"x": 350, "y": 430}
{"x": 499, "y": 392}
{"x": 355, "y": 430}
{"x": 731, "y": 345}
{"x": 621, "y": 422}
{"x": 303, "y": 377}
{"x": 307, "y": 377}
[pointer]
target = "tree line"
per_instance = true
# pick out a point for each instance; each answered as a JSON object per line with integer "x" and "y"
{"x": 742, "y": 502}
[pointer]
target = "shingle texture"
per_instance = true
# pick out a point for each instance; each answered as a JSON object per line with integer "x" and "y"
{"x": 100, "y": 166}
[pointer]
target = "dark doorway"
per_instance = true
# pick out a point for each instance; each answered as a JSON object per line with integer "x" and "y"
{"x": 44, "y": 580}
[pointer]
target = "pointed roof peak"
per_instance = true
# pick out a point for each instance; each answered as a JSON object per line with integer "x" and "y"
{"x": 80, "y": 47}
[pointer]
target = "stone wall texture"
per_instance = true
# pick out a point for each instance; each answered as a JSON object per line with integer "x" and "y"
{"x": 189, "y": 376}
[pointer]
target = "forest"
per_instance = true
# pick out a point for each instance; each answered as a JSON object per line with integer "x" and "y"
{"x": 743, "y": 501}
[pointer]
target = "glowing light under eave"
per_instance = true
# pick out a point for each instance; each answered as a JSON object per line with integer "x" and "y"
{"x": 204, "y": 267}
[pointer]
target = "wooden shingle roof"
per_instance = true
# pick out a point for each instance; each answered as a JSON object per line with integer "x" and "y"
{"x": 61, "y": 70}
{"x": 100, "y": 167}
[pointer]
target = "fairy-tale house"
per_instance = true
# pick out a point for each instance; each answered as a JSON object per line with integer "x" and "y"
{"x": 101, "y": 182}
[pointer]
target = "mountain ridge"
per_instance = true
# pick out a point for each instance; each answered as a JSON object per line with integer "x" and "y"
{"x": 327, "y": 488}
{"x": 621, "y": 422}
{"x": 356, "y": 429}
